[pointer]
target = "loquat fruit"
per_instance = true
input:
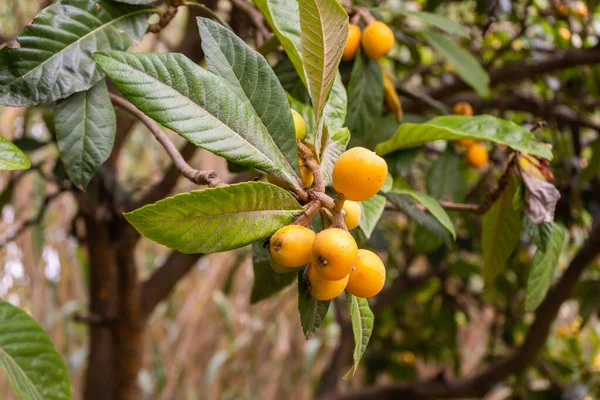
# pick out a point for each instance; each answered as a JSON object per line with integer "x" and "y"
{"x": 306, "y": 174}
{"x": 280, "y": 269}
{"x": 463, "y": 108}
{"x": 466, "y": 142}
{"x": 291, "y": 245}
{"x": 352, "y": 43}
{"x": 377, "y": 40}
{"x": 368, "y": 275}
{"x": 477, "y": 155}
{"x": 359, "y": 174}
{"x": 299, "y": 125}
{"x": 323, "y": 289}
{"x": 333, "y": 253}
{"x": 352, "y": 214}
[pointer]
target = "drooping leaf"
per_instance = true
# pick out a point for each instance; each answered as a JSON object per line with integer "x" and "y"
{"x": 501, "y": 228}
{"x": 445, "y": 178}
{"x": 323, "y": 34}
{"x": 266, "y": 281}
{"x": 177, "y": 93}
{"x": 365, "y": 94}
{"x": 251, "y": 78}
{"x": 362, "y": 320}
{"x": 466, "y": 66}
{"x": 11, "y": 157}
{"x": 539, "y": 234}
{"x": 372, "y": 210}
{"x": 542, "y": 270}
{"x": 312, "y": 311}
{"x": 540, "y": 199}
{"x": 336, "y": 141}
{"x": 54, "y": 60}
{"x": 443, "y": 23}
{"x": 432, "y": 205}
{"x": 284, "y": 18}
{"x": 33, "y": 368}
{"x": 219, "y": 219}
{"x": 85, "y": 131}
{"x": 482, "y": 127}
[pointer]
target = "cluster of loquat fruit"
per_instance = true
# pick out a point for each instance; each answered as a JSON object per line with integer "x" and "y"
{"x": 377, "y": 40}
{"x": 476, "y": 153}
{"x": 335, "y": 263}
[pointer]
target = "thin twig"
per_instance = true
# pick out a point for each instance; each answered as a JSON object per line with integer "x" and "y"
{"x": 198, "y": 177}
{"x": 310, "y": 210}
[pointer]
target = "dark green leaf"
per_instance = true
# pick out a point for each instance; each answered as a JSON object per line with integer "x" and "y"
{"x": 312, "y": 311}
{"x": 445, "y": 178}
{"x": 501, "y": 228}
{"x": 482, "y": 127}
{"x": 432, "y": 205}
{"x": 372, "y": 210}
{"x": 291, "y": 82}
{"x": 32, "y": 366}
{"x": 593, "y": 167}
{"x": 542, "y": 270}
{"x": 85, "y": 131}
{"x": 436, "y": 20}
{"x": 539, "y": 234}
{"x": 362, "y": 319}
{"x": 11, "y": 158}
{"x": 27, "y": 144}
{"x": 177, "y": 93}
{"x": 54, "y": 60}
{"x": 251, "y": 78}
{"x": 266, "y": 281}
{"x": 219, "y": 219}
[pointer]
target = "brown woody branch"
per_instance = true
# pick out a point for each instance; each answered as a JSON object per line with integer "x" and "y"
{"x": 480, "y": 384}
{"x": 198, "y": 177}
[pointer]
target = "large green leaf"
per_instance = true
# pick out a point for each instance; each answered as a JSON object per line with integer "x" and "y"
{"x": 445, "y": 177}
{"x": 501, "y": 228}
{"x": 324, "y": 30}
{"x": 85, "y": 132}
{"x": 312, "y": 311}
{"x": 466, "y": 66}
{"x": 11, "y": 157}
{"x": 251, "y": 78}
{"x": 365, "y": 93}
{"x": 362, "y": 320}
{"x": 482, "y": 127}
{"x": 33, "y": 368}
{"x": 177, "y": 93}
{"x": 432, "y": 205}
{"x": 283, "y": 16}
{"x": 539, "y": 234}
{"x": 219, "y": 219}
{"x": 372, "y": 210}
{"x": 266, "y": 281}
{"x": 542, "y": 270}
{"x": 54, "y": 60}
{"x": 334, "y": 116}
{"x": 436, "y": 20}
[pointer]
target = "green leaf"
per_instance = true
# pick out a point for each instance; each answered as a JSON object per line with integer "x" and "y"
{"x": 291, "y": 82}
{"x": 336, "y": 141}
{"x": 266, "y": 281}
{"x": 251, "y": 78}
{"x": 312, "y": 311}
{"x": 445, "y": 177}
{"x": 362, "y": 319}
{"x": 593, "y": 167}
{"x": 432, "y": 205}
{"x": 372, "y": 210}
{"x": 501, "y": 228}
{"x": 219, "y": 219}
{"x": 334, "y": 116}
{"x": 539, "y": 234}
{"x": 283, "y": 16}
{"x": 54, "y": 60}
{"x": 365, "y": 93}
{"x": 11, "y": 157}
{"x": 33, "y": 368}
{"x": 324, "y": 30}
{"x": 143, "y": 2}
{"x": 542, "y": 270}
{"x": 177, "y": 93}
{"x": 466, "y": 66}
{"x": 443, "y": 23}
{"x": 482, "y": 127}
{"x": 85, "y": 131}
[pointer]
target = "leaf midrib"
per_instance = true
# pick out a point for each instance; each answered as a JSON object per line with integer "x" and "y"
{"x": 229, "y": 214}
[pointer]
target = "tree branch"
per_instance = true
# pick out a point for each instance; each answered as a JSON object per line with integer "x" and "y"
{"x": 479, "y": 385}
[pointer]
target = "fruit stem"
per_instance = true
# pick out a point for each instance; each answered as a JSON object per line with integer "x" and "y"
{"x": 310, "y": 210}
{"x": 310, "y": 161}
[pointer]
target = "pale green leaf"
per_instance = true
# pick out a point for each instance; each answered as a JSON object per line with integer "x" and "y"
{"x": 201, "y": 107}
{"x": 443, "y": 23}
{"x": 251, "y": 78}
{"x": 33, "y": 368}
{"x": 312, "y": 311}
{"x": 482, "y": 127}
{"x": 85, "y": 131}
{"x": 542, "y": 270}
{"x": 336, "y": 141}
{"x": 266, "y": 281}
{"x": 362, "y": 320}
{"x": 219, "y": 219}
{"x": 334, "y": 116}
{"x": 11, "y": 157}
{"x": 372, "y": 210}
{"x": 432, "y": 206}
{"x": 466, "y": 66}
{"x": 501, "y": 228}
{"x": 54, "y": 57}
